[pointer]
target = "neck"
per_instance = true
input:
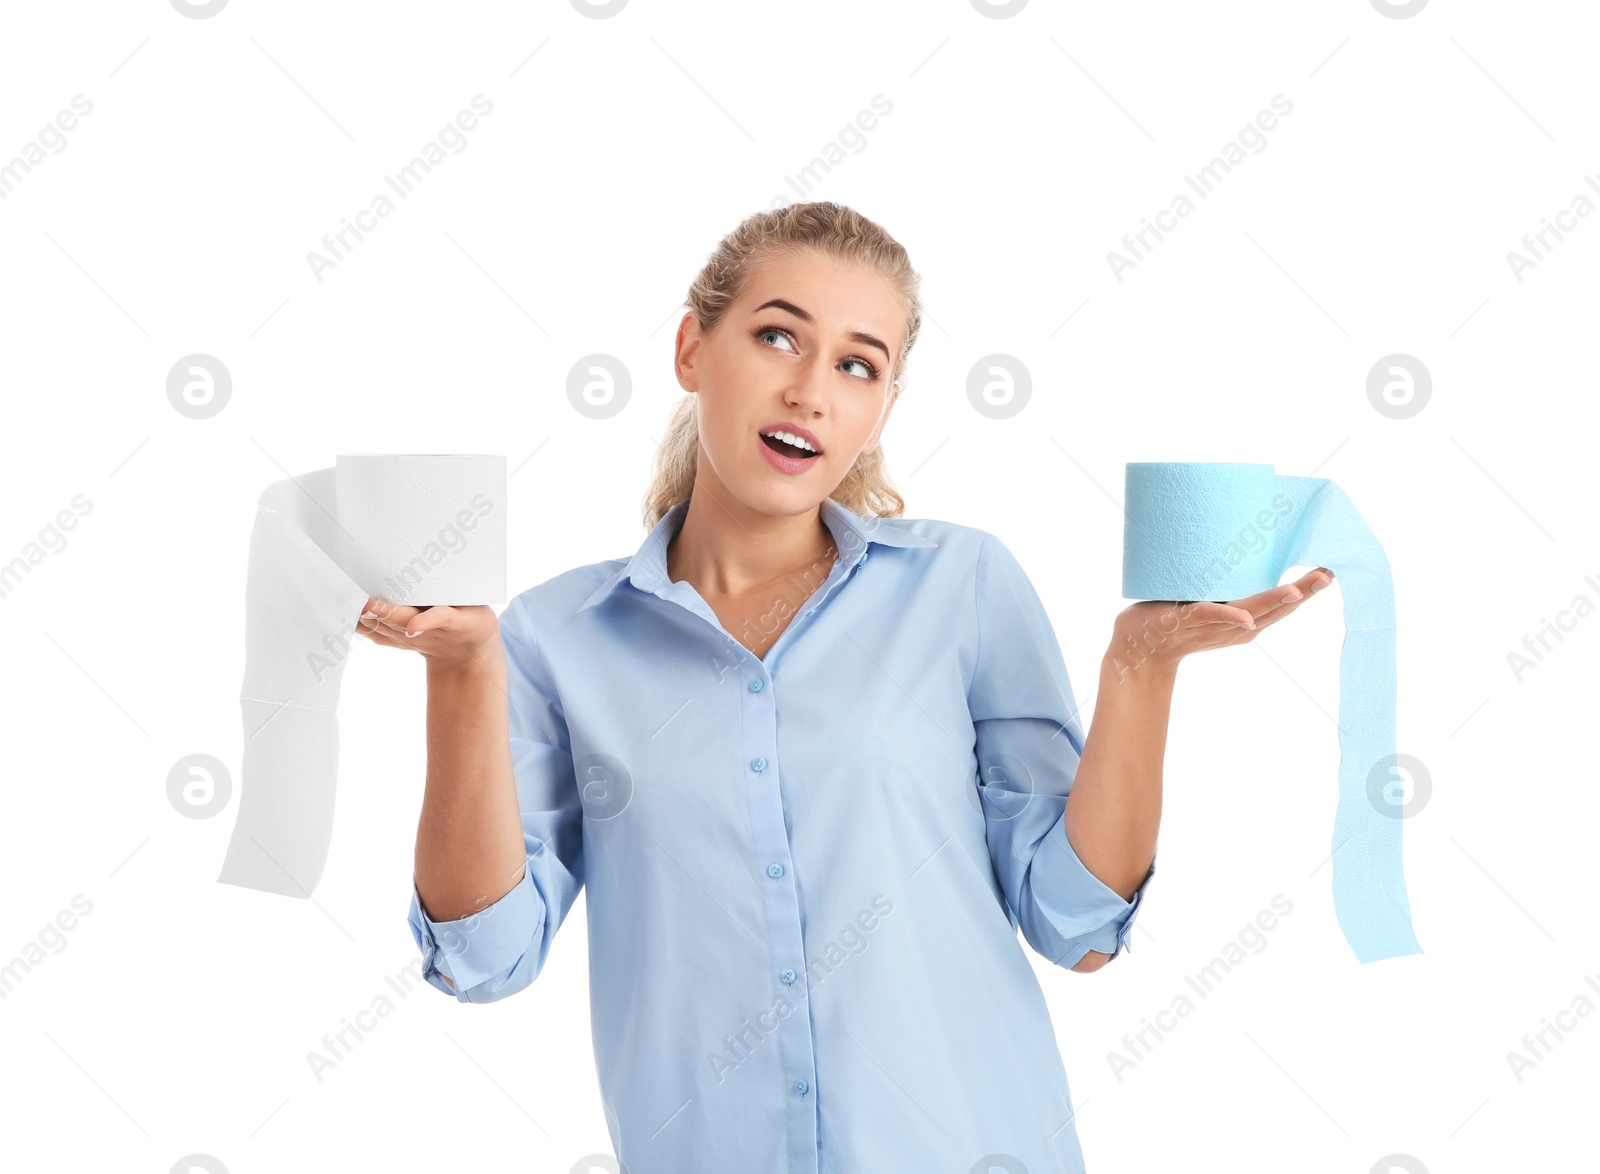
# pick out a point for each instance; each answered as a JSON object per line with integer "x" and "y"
{"x": 725, "y": 548}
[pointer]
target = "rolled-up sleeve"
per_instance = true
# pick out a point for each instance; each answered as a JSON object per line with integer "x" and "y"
{"x": 1029, "y": 744}
{"x": 481, "y": 946}
{"x": 501, "y": 948}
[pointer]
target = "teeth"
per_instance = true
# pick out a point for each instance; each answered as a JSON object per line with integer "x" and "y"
{"x": 791, "y": 438}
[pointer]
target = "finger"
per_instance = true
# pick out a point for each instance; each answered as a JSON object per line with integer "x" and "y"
{"x": 1278, "y": 611}
{"x": 1208, "y": 612}
{"x": 1300, "y": 590}
{"x": 1263, "y": 602}
{"x": 427, "y": 619}
{"x": 1309, "y": 583}
{"x": 379, "y": 633}
{"x": 1291, "y": 595}
{"x": 1313, "y": 581}
{"x": 394, "y": 616}
{"x": 378, "y": 625}
{"x": 1267, "y": 602}
{"x": 1278, "y": 602}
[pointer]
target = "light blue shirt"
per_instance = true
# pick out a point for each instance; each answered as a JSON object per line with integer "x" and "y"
{"x": 806, "y": 871}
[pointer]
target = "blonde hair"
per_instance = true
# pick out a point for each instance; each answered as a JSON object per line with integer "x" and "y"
{"x": 831, "y": 230}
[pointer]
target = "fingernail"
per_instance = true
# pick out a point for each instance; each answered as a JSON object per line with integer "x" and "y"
{"x": 369, "y": 615}
{"x": 413, "y": 633}
{"x": 1249, "y": 625}
{"x": 1292, "y": 596}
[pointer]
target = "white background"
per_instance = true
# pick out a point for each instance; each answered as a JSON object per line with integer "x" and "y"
{"x": 177, "y": 1017}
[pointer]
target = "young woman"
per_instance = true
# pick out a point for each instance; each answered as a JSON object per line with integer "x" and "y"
{"x": 816, "y": 763}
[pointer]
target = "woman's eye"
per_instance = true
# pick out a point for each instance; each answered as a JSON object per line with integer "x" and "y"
{"x": 870, "y": 372}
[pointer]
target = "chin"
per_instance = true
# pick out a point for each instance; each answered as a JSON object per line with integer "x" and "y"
{"x": 783, "y": 499}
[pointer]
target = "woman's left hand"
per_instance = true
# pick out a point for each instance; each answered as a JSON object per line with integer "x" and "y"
{"x": 1161, "y": 633}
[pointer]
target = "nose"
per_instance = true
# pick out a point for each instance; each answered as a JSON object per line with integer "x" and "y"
{"x": 807, "y": 392}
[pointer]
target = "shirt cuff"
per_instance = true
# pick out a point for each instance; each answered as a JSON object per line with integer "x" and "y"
{"x": 1091, "y": 900}
{"x": 481, "y": 945}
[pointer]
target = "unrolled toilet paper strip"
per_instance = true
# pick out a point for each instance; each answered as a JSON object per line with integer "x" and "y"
{"x": 1220, "y": 532}
{"x": 417, "y": 530}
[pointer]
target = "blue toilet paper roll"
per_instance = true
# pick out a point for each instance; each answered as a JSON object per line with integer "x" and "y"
{"x": 1205, "y": 531}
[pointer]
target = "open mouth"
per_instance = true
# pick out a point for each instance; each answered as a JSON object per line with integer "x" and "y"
{"x": 784, "y": 448}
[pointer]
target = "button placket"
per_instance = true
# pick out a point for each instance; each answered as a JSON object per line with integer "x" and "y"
{"x": 781, "y": 900}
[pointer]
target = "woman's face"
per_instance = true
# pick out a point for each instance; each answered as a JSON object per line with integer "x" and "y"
{"x": 808, "y": 349}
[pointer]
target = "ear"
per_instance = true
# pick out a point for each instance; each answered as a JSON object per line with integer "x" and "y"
{"x": 686, "y": 350}
{"x": 877, "y": 431}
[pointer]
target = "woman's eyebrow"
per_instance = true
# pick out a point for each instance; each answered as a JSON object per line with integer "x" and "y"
{"x": 868, "y": 339}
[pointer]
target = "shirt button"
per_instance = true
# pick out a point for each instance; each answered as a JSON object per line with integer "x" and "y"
{"x": 759, "y": 763}
{"x": 802, "y": 1085}
{"x": 812, "y": 612}
{"x": 788, "y": 976}
{"x": 862, "y": 559}
{"x": 774, "y": 870}
{"x": 755, "y": 686}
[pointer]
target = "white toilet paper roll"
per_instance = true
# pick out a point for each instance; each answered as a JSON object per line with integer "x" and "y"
{"x": 414, "y": 529}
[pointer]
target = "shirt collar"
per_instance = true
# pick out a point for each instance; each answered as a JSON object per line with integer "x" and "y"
{"x": 852, "y": 533}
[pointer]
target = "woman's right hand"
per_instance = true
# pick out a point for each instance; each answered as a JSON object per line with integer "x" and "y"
{"x": 446, "y": 636}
